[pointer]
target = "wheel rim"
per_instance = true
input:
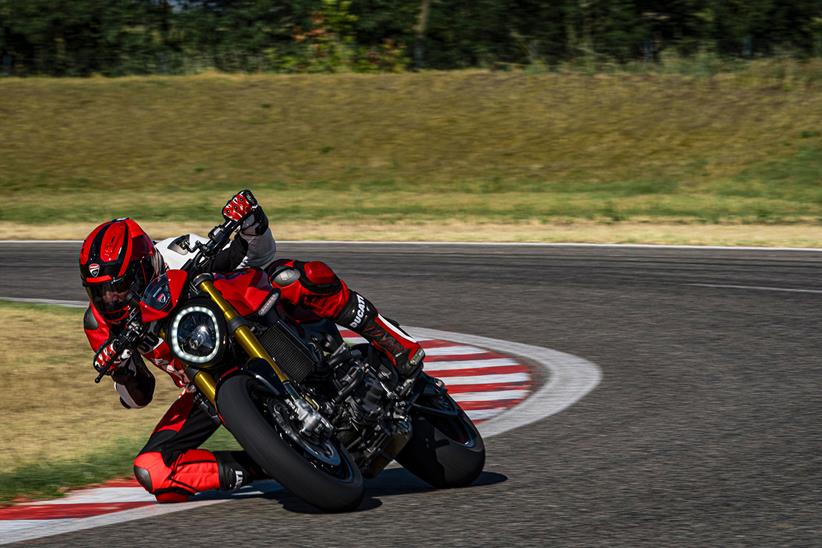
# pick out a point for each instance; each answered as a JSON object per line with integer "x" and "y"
{"x": 459, "y": 433}
{"x": 321, "y": 454}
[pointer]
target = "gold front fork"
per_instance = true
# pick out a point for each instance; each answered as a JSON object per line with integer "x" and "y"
{"x": 242, "y": 334}
{"x": 207, "y": 384}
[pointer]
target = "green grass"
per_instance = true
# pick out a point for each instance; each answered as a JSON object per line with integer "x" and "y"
{"x": 48, "y": 479}
{"x": 473, "y": 146}
{"x": 61, "y": 429}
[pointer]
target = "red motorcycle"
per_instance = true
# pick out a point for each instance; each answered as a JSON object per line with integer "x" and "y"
{"x": 316, "y": 414}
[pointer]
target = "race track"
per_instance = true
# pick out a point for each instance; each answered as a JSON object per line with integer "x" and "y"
{"x": 703, "y": 431}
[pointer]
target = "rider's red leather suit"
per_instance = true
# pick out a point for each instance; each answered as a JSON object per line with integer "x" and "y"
{"x": 170, "y": 466}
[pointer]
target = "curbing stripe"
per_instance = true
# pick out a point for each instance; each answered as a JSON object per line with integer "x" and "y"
{"x": 570, "y": 378}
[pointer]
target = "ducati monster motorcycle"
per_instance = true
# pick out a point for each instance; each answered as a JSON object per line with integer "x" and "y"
{"x": 314, "y": 413}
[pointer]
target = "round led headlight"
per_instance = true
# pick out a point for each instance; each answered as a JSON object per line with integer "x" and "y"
{"x": 197, "y": 335}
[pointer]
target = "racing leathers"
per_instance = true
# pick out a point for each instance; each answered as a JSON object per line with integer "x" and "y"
{"x": 170, "y": 465}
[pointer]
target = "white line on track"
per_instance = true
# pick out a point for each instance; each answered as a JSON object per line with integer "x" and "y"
{"x": 481, "y": 414}
{"x": 454, "y": 350}
{"x": 758, "y": 288}
{"x": 489, "y": 379}
{"x": 569, "y": 379}
{"x": 493, "y": 395}
{"x": 101, "y": 495}
{"x": 489, "y": 244}
{"x": 469, "y": 364}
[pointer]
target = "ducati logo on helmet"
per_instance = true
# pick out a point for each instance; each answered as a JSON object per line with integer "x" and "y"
{"x": 94, "y": 269}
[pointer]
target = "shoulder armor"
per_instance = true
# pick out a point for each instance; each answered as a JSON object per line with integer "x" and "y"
{"x": 318, "y": 277}
{"x": 89, "y": 321}
{"x": 317, "y": 272}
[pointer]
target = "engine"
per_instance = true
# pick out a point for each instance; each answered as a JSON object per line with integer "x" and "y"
{"x": 370, "y": 420}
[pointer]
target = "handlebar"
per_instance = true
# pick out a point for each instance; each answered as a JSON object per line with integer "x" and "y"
{"x": 217, "y": 238}
{"x": 135, "y": 330}
{"x": 127, "y": 340}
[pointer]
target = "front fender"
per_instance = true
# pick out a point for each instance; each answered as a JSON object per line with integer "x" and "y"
{"x": 260, "y": 370}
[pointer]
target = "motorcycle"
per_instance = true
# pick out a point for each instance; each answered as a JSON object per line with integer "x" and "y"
{"x": 314, "y": 413}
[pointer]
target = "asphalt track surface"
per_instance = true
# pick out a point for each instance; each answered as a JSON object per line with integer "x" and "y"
{"x": 705, "y": 429}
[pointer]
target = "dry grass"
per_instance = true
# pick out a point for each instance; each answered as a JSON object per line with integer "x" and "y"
{"x": 792, "y": 235}
{"x": 51, "y": 408}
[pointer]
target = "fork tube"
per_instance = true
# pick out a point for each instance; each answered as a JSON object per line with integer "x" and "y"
{"x": 205, "y": 382}
{"x": 242, "y": 333}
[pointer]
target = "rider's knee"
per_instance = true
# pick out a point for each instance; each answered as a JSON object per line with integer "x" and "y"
{"x": 144, "y": 465}
{"x": 153, "y": 474}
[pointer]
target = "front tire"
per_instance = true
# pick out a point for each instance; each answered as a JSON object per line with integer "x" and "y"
{"x": 242, "y": 401}
{"x": 444, "y": 451}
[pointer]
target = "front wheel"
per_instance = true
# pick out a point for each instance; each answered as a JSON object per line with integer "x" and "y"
{"x": 445, "y": 449}
{"x": 320, "y": 472}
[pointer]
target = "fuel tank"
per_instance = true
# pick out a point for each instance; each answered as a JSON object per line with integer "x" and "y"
{"x": 246, "y": 290}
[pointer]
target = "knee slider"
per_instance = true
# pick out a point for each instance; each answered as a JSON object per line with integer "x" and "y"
{"x": 143, "y": 477}
{"x": 142, "y": 469}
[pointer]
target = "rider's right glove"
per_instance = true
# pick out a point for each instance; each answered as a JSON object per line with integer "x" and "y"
{"x": 107, "y": 358}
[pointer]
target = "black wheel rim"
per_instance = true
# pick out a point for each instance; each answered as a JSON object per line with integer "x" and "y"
{"x": 454, "y": 427}
{"x": 324, "y": 455}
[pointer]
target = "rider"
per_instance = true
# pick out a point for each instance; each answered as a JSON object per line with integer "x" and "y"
{"x": 118, "y": 260}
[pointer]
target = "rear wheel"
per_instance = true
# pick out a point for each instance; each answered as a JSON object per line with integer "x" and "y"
{"x": 321, "y": 472}
{"x": 445, "y": 449}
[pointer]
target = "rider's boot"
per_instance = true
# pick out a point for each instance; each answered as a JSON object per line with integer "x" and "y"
{"x": 236, "y": 469}
{"x": 362, "y": 317}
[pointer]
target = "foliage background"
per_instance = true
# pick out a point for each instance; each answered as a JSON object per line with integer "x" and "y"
{"x": 82, "y": 37}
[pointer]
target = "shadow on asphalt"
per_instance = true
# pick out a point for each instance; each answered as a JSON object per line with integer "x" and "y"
{"x": 395, "y": 481}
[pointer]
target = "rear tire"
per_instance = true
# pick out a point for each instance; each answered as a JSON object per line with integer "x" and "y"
{"x": 328, "y": 487}
{"x": 444, "y": 451}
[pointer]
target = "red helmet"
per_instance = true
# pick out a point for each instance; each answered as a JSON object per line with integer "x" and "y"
{"x": 117, "y": 261}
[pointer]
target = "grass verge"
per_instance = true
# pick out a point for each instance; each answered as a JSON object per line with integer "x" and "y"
{"x": 60, "y": 429}
{"x": 468, "y": 147}
{"x": 625, "y": 232}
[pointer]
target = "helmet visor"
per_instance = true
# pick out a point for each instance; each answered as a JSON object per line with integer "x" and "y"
{"x": 111, "y": 298}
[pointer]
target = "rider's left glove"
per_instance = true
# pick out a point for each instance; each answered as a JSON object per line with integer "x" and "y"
{"x": 240, "y": 206}
{"x": 243, "y": 207}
